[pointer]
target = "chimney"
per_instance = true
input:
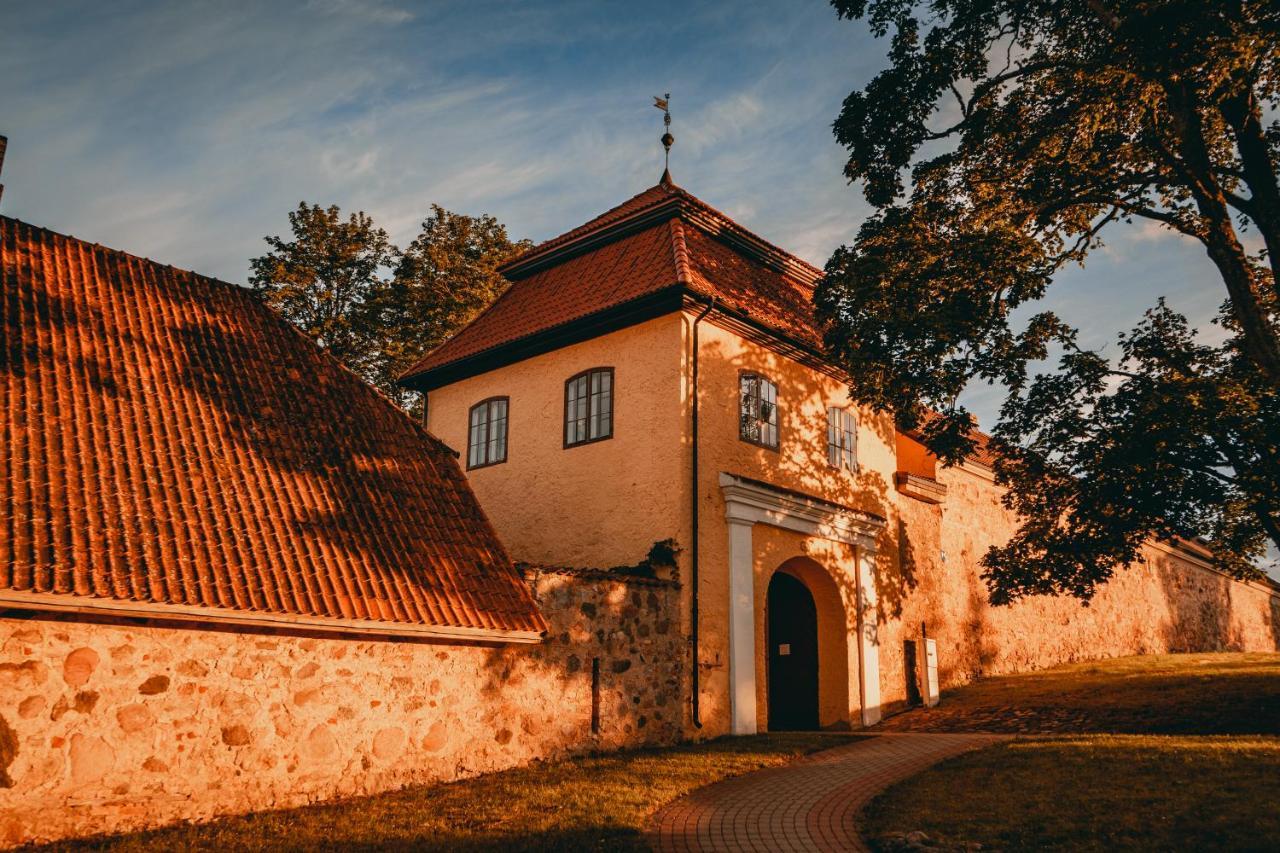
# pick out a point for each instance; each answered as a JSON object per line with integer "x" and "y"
{"x": 4, "y": 143}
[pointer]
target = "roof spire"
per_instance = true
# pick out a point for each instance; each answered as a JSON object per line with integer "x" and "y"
{"x": 667, "y": 138}
{"x": 4, "y": 143}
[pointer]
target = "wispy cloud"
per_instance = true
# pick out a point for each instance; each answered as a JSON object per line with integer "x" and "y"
{"x": 186, "y": 131}
{"x": 369, "y": 10}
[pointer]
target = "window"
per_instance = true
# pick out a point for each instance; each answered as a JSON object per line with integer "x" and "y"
{"x": 588, "y": 407}
{"x": 487, "y": 437}
{"x": 758, "y": 423}
{"x": 842, "y": 439}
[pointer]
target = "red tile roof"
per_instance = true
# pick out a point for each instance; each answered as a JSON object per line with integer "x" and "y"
{"x": 663, "y": 238}
{"x": 632, "y": 267}
{"x": 983, "y": 453}
{"x": 655, "y": 195}
{"x": 169, "y": 441}
{"x": 767, "y": 296}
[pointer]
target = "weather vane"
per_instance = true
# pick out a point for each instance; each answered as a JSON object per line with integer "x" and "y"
{"x": 667, "y": 138}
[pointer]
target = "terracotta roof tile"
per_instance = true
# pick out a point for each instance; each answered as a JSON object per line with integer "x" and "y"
{"x": 168, "y": 439}
{"x": 627, "y": 269}
{"x": 653, "y": 196}
{"x": 767, "y": 296}
{"x": 661, "y": 238}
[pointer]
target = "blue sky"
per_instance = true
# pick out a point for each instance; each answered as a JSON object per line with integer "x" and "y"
{"x": 185, "y": 132}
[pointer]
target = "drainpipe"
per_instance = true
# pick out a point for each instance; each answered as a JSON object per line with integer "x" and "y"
{"x": 693, "y": 573}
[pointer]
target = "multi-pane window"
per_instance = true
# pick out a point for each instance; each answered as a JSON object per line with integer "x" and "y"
{"x": 842, "y": 439}
{"x": 758, "y": 409}
{"x": 487, "y": 436}
{"x": 588, "y": 406}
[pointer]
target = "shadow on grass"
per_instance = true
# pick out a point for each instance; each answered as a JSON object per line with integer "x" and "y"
{"x": 1092, "y": 793}
{"x": 1220, "y": 693}
{"x": 597, "y": 802}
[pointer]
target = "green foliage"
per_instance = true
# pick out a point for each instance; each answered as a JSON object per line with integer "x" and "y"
{"x": 1026, "y": 128}
{"x": 321, "y": 280}
{"x": 375, "y": 308}
{"x": 446, "y": 276}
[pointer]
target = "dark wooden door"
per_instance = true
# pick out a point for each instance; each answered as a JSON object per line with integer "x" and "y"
{"x": 793, "y": 656}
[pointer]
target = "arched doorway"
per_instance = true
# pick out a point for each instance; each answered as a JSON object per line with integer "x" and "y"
{"x": 792, "y": 637}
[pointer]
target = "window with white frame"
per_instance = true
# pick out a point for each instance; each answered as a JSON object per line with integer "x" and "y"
{"x": 588, "y": 406}
{"x": 487, "y": 433}
{"x": 758, "y": 410}
{"x": 842, "y": 439}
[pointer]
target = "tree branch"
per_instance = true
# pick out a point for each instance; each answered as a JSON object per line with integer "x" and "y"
{"x": 1258, "y": 172}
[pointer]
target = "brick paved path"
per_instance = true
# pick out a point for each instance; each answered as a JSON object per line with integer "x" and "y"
{"x": 810, "y": 804}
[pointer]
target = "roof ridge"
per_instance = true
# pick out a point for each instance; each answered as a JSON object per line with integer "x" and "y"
{"x": 680, "y": 250}
{"x": 730, "y": 224}
{"x": 688, "y": 207}
{"x": 597, "y": 222}
{"x": 121, "y": 252}
{"x": 252, "y": 303}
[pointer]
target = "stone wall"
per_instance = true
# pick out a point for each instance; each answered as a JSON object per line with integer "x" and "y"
{"x": 114, "y": 726}
{"x": 1171, "y": 602}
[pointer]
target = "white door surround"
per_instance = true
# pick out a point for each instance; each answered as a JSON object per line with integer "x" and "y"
{"x": 750, "y": 502}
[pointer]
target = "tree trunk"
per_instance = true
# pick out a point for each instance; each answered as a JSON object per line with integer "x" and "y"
{"x": 1242, "y": 114}
{"x": 1258, "y": 335}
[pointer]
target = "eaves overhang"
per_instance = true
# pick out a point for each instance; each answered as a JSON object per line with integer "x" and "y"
{"x": 227, "y": 618}
{"x": 574, "y": 331}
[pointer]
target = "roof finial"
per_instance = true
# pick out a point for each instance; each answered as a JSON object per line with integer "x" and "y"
{"x": 667, "y": 138}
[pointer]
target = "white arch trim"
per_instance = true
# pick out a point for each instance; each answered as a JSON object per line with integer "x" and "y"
{"x": 751, "y": 502}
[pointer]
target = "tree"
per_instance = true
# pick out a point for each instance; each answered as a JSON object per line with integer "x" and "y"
{"x": 447, "y": 275}
{"x": 1028, "y": 128}
{"x": 323, "y": 279}
{"x": 375, "y": 308}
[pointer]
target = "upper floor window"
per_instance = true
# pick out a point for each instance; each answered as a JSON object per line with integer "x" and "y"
{"x": 588, "y": 406}
{"x": 842, "y": 439}
{"x": 487, "y": 436}
{"x": 758, "y": 409}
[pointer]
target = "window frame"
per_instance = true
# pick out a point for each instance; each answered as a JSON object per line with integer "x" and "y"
{"x": 851, "y": 434}
{"x": 564, "y": 427}
{"x": 487, "y": 403}
{"x": 759, "y": 376}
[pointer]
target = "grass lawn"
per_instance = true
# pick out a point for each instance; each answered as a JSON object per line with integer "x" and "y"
{"x": 1175, "y": 752}
{"x": 1223, "y": 693}
{"x": 1095, "y": 792}
{"x": 591, "y": 803}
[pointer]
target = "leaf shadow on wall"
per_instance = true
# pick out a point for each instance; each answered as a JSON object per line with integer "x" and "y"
{"x": 1198, "y": 620}
{"x": 800, "y": 462}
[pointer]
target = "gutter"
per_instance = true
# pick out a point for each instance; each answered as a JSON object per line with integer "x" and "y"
{"x": 58, "y": 603}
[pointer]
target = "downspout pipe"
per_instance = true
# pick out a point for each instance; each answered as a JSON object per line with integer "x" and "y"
{"x": 693, "y": 554}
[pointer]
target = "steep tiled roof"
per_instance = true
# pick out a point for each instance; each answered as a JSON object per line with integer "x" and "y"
{"x": 663, "y": 238}
{"x": 168, "y": 441}
{"x": 655, "y": 195}
{"x": 632, "y": 267}
{"x": 766, "y": 295}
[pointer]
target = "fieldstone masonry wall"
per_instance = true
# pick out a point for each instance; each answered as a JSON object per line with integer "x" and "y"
{"x": 1170, "y": 603}
{"x": 111, "y": 726}
{"x": 108, "y": 727}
